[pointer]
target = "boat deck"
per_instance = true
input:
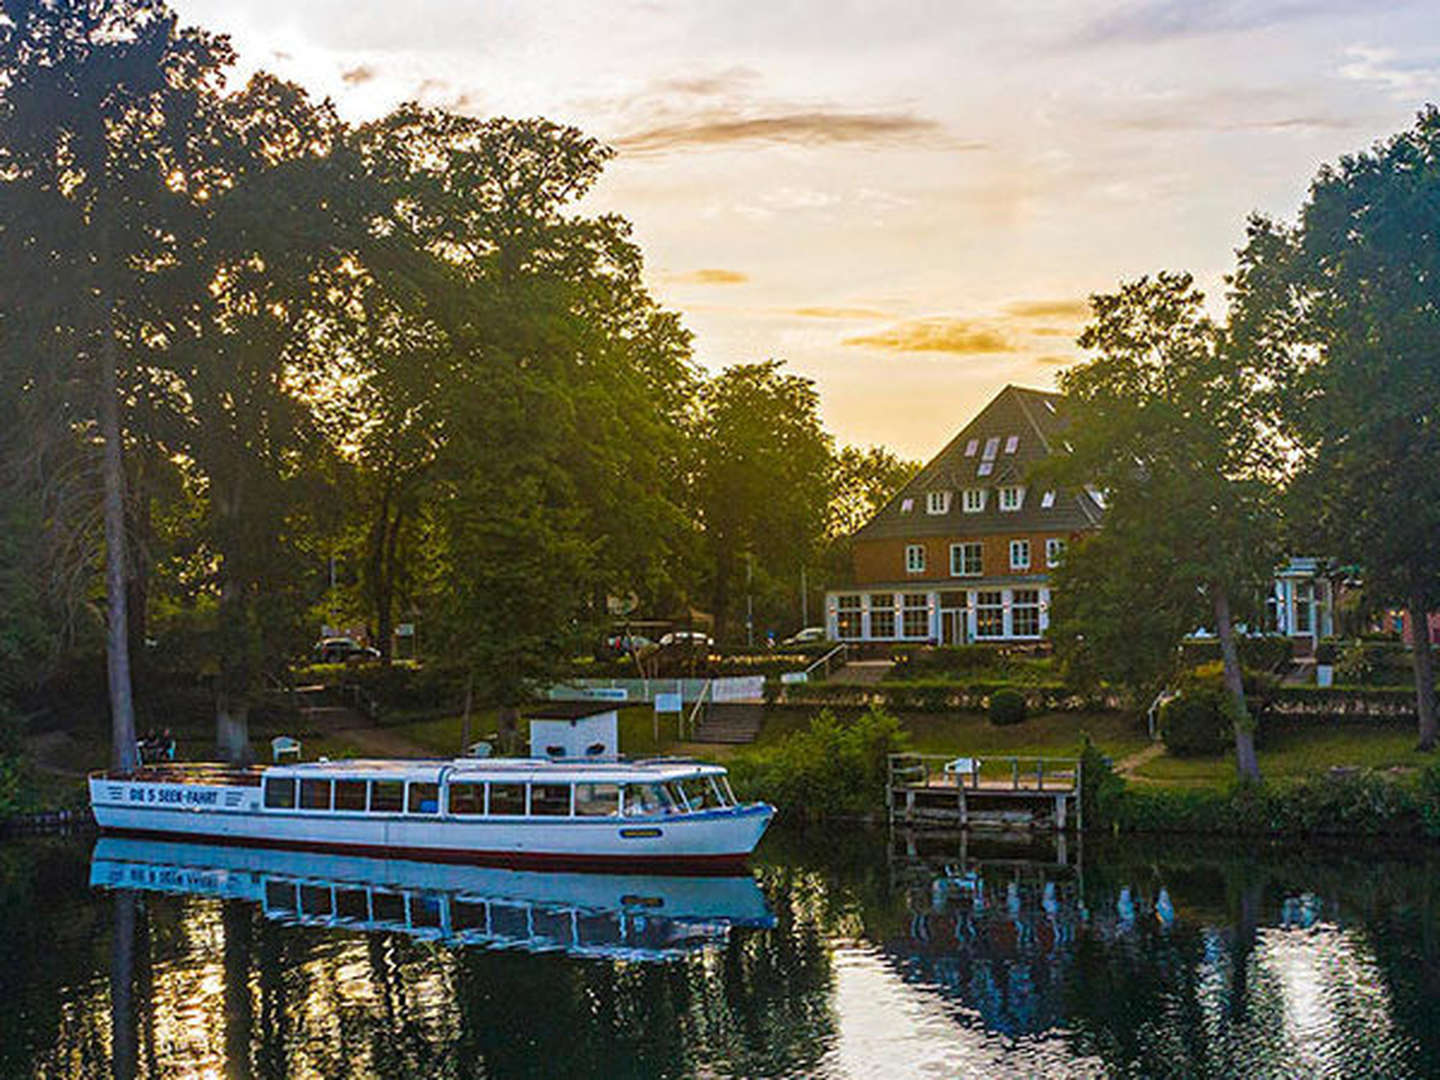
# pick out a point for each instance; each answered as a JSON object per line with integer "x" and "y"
{"x": 177, "y": 772}
{"x": 1000, "y": 791}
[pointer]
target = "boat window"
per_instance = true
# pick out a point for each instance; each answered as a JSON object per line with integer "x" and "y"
{"x": 699, "y": 793}
{"x": 280, "y": 794}
{"x": 349, "y": 794}
{"x": 315, "y": 794}
{"x": 315, "y": 900}
{"x": 425, "y": 909}
{"x": 507, "y": 799}
{"x": 510, "y": 921}
{"x": 387, "y": 796}
{"x": 729, "y": 791}
{"x": 424, "y": 799}
{"x": 597, "y": 800}
{"x": 352, "y": 904}
{"x": 387, "y": 906}
{"x": 647, "y": 799}
{"x": 677, "y": 799}
{"x": 467, "y": 798}
{"x": 722, "y": 791}
{"x": 467, "y": 915}
{"x": 550, "y": 800}
{"x": 280, "y": 897}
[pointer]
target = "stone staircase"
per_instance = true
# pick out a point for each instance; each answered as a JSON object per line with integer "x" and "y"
{"x": 734, "y": 723}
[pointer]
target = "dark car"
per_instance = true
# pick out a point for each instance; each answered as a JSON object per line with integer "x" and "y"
{"x": 341, "y": 650}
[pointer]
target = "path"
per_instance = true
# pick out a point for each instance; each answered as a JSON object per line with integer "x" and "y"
{"x": 862, "y": 672}
{"x": 1127, "y": 767}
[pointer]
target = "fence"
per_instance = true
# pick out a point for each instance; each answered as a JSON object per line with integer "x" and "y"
{"x": 732, "y": 688}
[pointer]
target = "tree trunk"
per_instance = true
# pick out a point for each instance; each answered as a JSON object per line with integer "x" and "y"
{"x": 123, "y": 753}
{"x": 385, "y": 596}
{"x": 232, "y": 687}
{"x": 124, "y": 1037}
{"x": 1246, "y": 763}
{"x": 1424, "y": 671}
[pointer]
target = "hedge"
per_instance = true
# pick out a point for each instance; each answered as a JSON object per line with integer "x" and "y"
{"x": 946, "y": 695}
{"x": 1267, "y": 653}
{"x": 1366, "y": 703}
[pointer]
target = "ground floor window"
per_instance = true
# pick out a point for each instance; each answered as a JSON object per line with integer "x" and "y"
{"x": 916, "y": 615}
{"x": 847, "y": 621}
{"x": 1025, "y": 613}
{"x": 882, "y": 615}
{"x": 990, "y": 614}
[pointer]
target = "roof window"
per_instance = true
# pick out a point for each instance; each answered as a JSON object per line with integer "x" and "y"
{"x": 1047, "y": 500}
{"x": 971, "y": 447}
{"x": 906, "y": 505}
{"x": 1050, "y": 405}
{"x": 992, "y": 447}
{"x": 985, "y": 469}
{"x": 1011, "y": 443}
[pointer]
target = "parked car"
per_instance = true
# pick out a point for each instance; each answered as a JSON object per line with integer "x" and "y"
{"x": 687, "y": 639}
{"x": 341, "y": 650}
{"x": 811, "y": 635}
{"x": 628, "y": 645}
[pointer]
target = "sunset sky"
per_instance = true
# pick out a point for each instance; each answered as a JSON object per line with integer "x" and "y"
{"x": 908, "y": 201}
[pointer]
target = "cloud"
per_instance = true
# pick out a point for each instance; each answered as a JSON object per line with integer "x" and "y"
{"x": 713, "y": 84}
{"x": 1151, "y": 21}
{"x": 1405, "y": 80}
{"x": 819, "y": 126}
{"x": 836, "y": 313}
{"x": 358, "y": 75}
{"x": 960, "y": 336}
{"x": 1049, "y": 309}
{"x": 1055, "y": 360}
{"x": 710, "y": 276}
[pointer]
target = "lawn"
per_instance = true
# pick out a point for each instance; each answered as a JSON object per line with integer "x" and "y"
{"x": 1295, "y": 750}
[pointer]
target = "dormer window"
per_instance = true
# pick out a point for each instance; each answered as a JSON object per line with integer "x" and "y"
{"x": 1011, "y": 498}
{"x": 974, "y": 500}
{"x": 971, "y": 447}
{"x": 1012, "y": 443}
{"x": 937, "y": 502}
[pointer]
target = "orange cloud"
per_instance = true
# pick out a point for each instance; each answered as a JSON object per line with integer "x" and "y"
{"x": 1054, "y": 359}
{"x": 936, "y": 335}
{"x": 358, "y": 75}
{"x": 1050, "y": 309}
{"x": 711, "y": 276}
{"x": 813, "y": 127}
{"x": 836, "y": 313}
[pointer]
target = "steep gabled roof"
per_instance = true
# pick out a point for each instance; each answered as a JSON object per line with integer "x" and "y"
{"x": 1018, "y": 428}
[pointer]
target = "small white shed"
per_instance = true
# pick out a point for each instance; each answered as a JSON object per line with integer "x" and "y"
{"x": 574, "y": 730}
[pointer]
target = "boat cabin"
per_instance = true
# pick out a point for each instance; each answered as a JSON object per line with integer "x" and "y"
{"x": 497, "y": 789}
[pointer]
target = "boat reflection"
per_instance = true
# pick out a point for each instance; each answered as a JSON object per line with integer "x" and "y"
{"x": 612, "y": 916}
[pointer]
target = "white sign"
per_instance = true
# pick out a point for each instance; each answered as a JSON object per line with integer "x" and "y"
{"x": 668, "y": 703}
{"x": 790, "y": 678}
{"x": 405, "y": 629}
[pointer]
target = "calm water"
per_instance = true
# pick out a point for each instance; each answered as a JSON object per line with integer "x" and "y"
{"x": 847, "y": 955}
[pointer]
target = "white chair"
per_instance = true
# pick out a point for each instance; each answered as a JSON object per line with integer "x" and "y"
{"x": 283, "y": 746}
{"x": 480, "y": 749}
{"x": 962, "y": 767}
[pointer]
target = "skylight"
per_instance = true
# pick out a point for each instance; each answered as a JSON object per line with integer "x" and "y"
{"x": 1047, "y": 500}
{"x": 992, "y": 447}
{"x": 971, "y": 447}
{"x": 985, "y": 469}
{"x": 1011, "y": 442}
{"x": 1049, "y": 405}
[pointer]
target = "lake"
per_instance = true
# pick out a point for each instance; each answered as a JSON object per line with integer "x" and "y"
{"x": 847, "y": 953}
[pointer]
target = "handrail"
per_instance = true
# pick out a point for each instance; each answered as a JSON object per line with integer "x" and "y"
{"x": 843, "y": 647}
{"x": 699, "y": 701}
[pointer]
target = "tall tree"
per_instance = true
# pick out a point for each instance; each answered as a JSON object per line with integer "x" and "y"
{"x": 96, "y": 103}
{"x": 1352, "y": 291}
{"x": 1166, "y": 425}
{"x": 762, "y": 476}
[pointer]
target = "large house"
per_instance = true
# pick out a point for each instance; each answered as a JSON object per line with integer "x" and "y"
{"x": 964, "y": 551}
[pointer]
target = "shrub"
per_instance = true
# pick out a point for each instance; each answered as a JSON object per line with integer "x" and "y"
{"x": 1266, "y": 653}
{"x": 833, "y": 768}
{"x": 1197, "y": 723}
{"x": 1006, "y": 707}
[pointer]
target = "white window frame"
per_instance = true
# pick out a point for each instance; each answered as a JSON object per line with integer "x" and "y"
{"x": 957, "y": 559}
{"x": 983, "y": 609}
{"x": 1012, "y": 443}
{"x": 907, "y": 608}
{"x": 992, "y": 448}
{"x": 906, "y": 505}
{"x": 973, "y": 500}
{"x": 1047, "y": 500}
{"x": 985, "y": 468}
{"x": 1011, "y": 499}
{"x": 883, "y": 610}
{"x": 1020, "y": 546}
{"x": 1055, "y": 550}
{"x": 937, "y": 502}
{"x": 1016, "y": 607}
{"x": 972, "y": 446}
{"x": 914, "y": 558}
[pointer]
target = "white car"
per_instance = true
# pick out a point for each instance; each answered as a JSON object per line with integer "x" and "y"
{"x": 692, "y": 639}
{"x": 809, "y": 636}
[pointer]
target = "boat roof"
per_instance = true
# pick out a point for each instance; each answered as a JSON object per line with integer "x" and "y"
{"x": 610, "y": 771}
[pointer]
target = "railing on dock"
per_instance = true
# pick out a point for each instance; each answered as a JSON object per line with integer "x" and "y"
{"x": 968, "y": 790}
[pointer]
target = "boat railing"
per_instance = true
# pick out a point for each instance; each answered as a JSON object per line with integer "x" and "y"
{"x": 187, "y": 773}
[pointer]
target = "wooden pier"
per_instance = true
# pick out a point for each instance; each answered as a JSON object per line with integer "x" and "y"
{"x": 974, "y": 792}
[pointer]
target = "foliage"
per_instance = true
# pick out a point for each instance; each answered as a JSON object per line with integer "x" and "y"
{"x": 834, "y": 768}
{"x": 997, "y": 662}
{"x": 1101, "y": 788}
{"x": 945, "y": 695}
{"x": 1006, "y": 707}
{"x": 1266, "y": 652}
{"x": 1196, "y": 723}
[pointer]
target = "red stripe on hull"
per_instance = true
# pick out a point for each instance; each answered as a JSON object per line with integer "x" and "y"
{"x": 689, "y": 865}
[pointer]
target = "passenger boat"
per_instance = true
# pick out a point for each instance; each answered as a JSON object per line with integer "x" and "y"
{"x": 611, "y": 916}
{"x": 663, "y": 814}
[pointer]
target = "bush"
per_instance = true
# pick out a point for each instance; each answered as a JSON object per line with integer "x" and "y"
{"x": 1269, "y": 652}
{"x": 834, "y": 768}
{"x": 1197, "y": 723}
{"x": 1006, "y": 707}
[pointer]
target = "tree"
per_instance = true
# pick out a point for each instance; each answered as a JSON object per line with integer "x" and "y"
{"x": 863, "y": 481}
{"x": 1166, "y": 423}
{"x": 97, "y": 103}
{"x": 763, "y": 476}
{"x": 1352, "y": 295}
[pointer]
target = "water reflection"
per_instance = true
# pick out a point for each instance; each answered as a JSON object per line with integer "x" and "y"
{"x": 848, "y": 954}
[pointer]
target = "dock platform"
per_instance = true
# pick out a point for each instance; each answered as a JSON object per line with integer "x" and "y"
{"x": 995, "y": 791}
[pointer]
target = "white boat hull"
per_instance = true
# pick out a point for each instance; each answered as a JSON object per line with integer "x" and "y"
{"x": 694, "y": 842}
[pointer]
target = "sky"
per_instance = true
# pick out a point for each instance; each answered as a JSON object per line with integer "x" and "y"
{"x": 907, "y": 201}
